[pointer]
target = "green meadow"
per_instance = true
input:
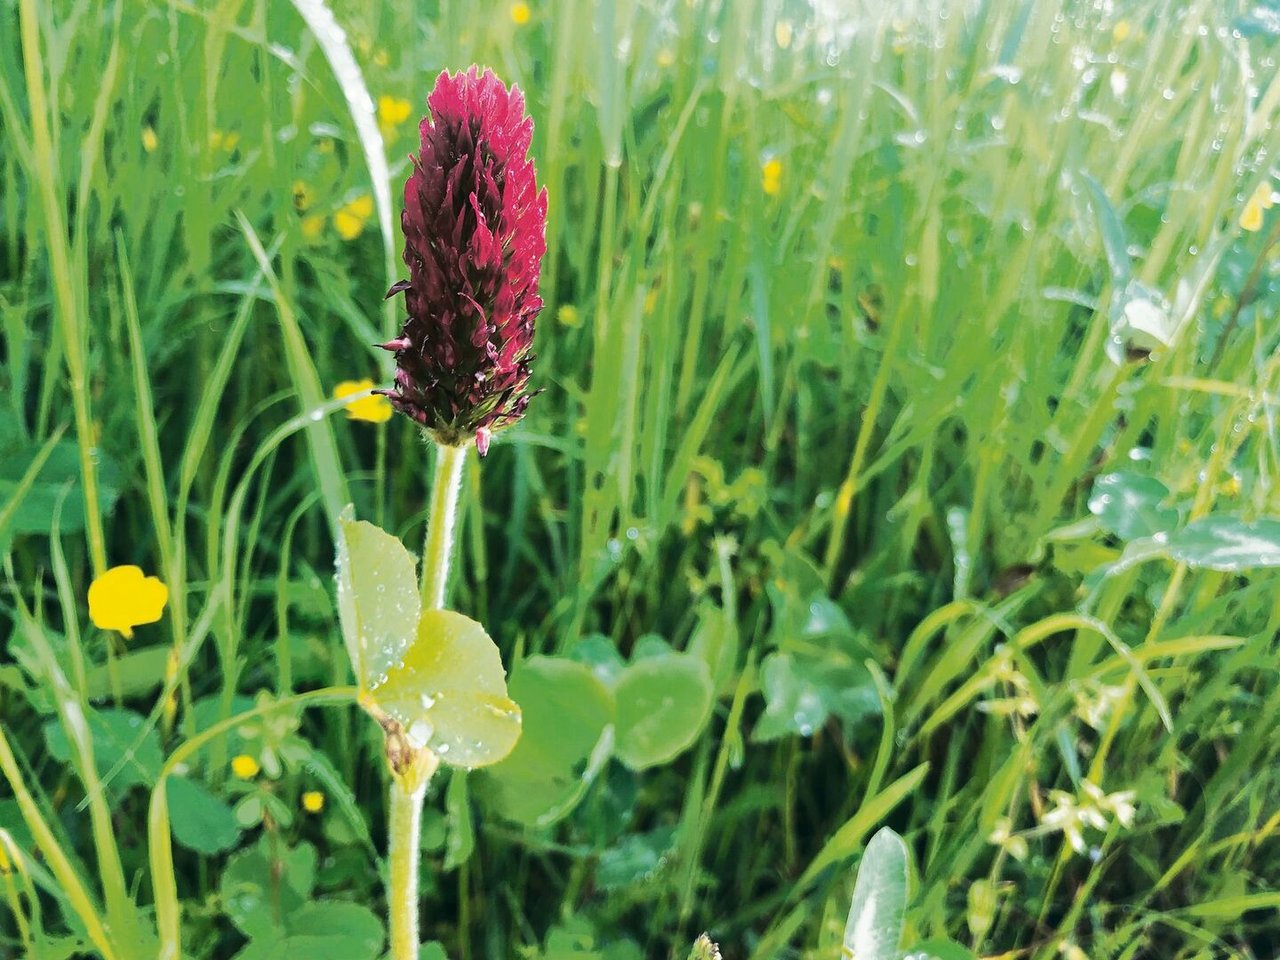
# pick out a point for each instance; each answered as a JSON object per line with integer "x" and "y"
{"x": 906, "y": 457}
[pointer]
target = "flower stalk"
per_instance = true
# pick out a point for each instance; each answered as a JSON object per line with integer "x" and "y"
{"x": 474, "y": 225}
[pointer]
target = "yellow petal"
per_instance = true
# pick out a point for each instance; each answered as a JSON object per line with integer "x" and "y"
{"x": 393, "y": 110}
{"x": 1251, "y": 216}
{"x": 122, "y": 598}
{"x": 520, "y": 14}
{"x": 771, "y": 177}
{"x": 348, "y": 225}
{"x": 149, "y": 140}
{"x": 1263, "y": 195}
{"x": 373, "y": 408}
{"x": 312, "y": 227}
{"x": 1120, "y": 33}
{"x": 361, "y": 206}
{"x": 245, "y": 767}
{"x": 313, "y": 801}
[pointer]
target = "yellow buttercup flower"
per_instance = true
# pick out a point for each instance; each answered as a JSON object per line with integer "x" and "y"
{"x": 374, "y": 408}
{"x": 350, "y": 220}
{"x": 348, "y": 225}
{"x": 568, "y": 316}
{"x": 1251, "y": 215}
{"x": 392, "y": 111}
{"x": 312, "y": 227}
{"x": 122, "y": 598}
{"x": 313, "y": 801}
{"x": 245, "y": 767}
{"x": 361, "y": 206}
{"x": 149, "y": 139}
{"x": 520, "y": 14}
{"x": 771, "y": 177}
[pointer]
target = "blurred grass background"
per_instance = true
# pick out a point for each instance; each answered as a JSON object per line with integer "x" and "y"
{"x": 847, "y": 308}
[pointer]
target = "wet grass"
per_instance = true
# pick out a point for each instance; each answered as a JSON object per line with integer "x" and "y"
{"x": 844, "y": 322}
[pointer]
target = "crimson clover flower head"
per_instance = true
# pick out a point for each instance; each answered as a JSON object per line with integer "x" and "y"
{"x": 474, "y": 227}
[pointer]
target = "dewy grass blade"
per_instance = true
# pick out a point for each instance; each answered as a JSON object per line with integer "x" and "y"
{"x": 333, "y": 41}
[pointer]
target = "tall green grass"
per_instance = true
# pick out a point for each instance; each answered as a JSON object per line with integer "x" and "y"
{"x": 848, "y": 431}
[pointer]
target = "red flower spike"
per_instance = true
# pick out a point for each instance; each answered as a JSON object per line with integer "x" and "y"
{"x": 474, "y": 228}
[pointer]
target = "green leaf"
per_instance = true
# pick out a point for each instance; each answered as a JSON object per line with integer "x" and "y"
{"x": 941, "y": 949}
{"x": 1128, "y": 505}
{"x": 449, "y": 692}
{"x": 1227, "y": 543}
{"x": 37, "y": 481}
{"x": 258, "y": 894}
{"x": 378, "y": 602}
{"x": 114, "y": 733}
{"x": 802, "y": 691}
{"x": 462, "y": 833}
{"x": 565, "y": 708}
{"x": 138, "y": 672}
{"x": 200, "y": 820}
{"x": 874, "y": 928}
{"x": 662, "y": 705}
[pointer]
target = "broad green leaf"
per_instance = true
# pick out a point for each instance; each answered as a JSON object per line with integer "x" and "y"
{"x": 874, "y": 928}
{"x": 325, "y": 930}
{"x": 802, "y": 691}
{"x": 1227, "y": 543}
{"x": 114, "y": 733}
{"x": 200, "y": 820}
{"x": 378, "y": 601}
{"x": 940, "y": 950}
{"x": 565, "y": 709}
{"x": 259, "y": 901}
{"x": 138, "y": 672}
{"x": 662, "y": 703}
{"x": 1128, "y": 505}
{"x": 38, "y": 482}
{"x": 449, "y": 691}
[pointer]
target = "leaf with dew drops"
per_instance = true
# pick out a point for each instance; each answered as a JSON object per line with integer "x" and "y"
{"x": 378, "y": 602}
{"x": 449, "y": 691}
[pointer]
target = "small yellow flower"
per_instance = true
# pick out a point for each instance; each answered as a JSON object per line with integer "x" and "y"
{"x": 1230, "y": 487}
{"x": 350, "y": 220}
{"x": 149, "y": 139}
{"x": 313, "y": 801}
{"x": 392, "y": 111}
{"x": 374, "y": 408}
{"x": 122, "y": 598}
{"x": 1120, "y": 32}
{"x": 348, "y": 225}
{"x": 568, "y": 316}
{"x": 782, "y": 33}
{"x": 771, "y": 177}
{"x": 302, "y": 196}
{"x": 324, "y": 145}
{"x": 245, "y": 767}
{"x": 223, "y": 141}
{"x": 312, "y": 227}
{"x": 520, "y": 14}
{"x": 1251, "y": 215}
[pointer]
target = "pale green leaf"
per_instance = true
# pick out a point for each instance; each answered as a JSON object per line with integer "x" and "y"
{"x": 449, "y": 691}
